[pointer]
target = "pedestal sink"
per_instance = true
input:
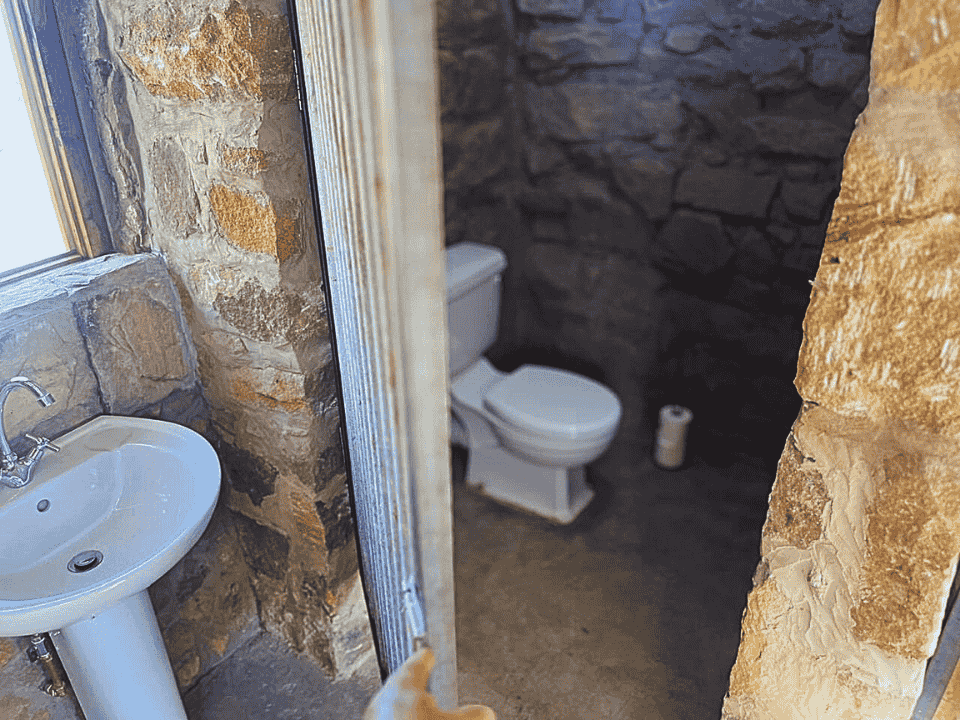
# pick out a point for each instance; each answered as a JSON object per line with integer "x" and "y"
{"x": 119, "y": 505}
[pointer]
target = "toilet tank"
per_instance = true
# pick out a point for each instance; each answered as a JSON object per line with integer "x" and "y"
{"x": 473, "y": 301}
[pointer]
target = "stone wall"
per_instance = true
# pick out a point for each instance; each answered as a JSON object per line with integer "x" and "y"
{"x": 660, "y": 175}
{"x": 106, "y": 335}
{"x": 862, "y": 537}
{"x": 196, "y": 102}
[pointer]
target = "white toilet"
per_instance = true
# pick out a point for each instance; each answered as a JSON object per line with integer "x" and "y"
{"x": 529, "y": 433}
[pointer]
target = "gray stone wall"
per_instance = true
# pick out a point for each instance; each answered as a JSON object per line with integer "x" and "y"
{"x": 660, "y": 174}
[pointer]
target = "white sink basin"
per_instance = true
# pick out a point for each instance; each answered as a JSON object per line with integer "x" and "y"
{"x": 138, "y": 491}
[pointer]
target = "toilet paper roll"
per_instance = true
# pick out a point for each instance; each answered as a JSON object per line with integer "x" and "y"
{"x": 672, "y": 436}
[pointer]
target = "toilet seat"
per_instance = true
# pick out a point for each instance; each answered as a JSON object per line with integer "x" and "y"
{"x": 554, "y": 404}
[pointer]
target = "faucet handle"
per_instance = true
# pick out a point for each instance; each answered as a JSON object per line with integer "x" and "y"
{"x": 42, "y": 442}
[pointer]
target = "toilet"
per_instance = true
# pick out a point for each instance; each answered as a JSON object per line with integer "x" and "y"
{"x": 529, "y": 433}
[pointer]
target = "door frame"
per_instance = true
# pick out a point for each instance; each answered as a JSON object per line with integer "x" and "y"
{"x": 370, "y": 100}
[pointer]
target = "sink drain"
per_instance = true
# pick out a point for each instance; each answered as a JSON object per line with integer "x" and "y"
{"x": 86, "y": 560}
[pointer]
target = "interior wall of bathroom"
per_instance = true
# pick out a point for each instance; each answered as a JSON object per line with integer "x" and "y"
{"x": 660, "y": 174}
{"x": 196, "y": 108}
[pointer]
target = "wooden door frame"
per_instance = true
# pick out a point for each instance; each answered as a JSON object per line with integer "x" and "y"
{"x": 371, "y": 103}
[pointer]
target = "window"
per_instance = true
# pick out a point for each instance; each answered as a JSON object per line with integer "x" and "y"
{"x": 31, "y": 231}
{"x": 51, "y": 164}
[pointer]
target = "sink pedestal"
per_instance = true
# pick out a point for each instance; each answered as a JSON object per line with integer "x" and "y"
{"x": 117, "y": 664}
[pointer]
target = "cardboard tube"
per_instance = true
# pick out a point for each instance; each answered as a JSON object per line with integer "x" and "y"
{"x": 672, "y": 436}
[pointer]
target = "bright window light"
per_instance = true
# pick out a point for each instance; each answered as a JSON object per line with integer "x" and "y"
{"x": 29, "y": 230}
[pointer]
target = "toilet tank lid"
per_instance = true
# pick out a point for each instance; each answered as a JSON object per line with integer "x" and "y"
{"x": 469, "y": 264}
{"x": 555, "y": 402}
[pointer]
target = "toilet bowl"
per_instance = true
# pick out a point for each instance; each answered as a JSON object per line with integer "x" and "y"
{"x": 529, "y": 433}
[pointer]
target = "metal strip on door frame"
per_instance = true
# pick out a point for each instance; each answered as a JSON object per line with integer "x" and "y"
{"x": 370, "y": 82}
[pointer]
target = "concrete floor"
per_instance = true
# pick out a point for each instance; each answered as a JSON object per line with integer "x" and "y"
{"x": 265, "y": 680}
{"x": 632, "y": 611}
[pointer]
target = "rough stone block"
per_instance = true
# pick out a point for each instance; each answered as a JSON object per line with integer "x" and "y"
{"x": 802, "y": 171}
{"x": 609, "y": 292}
{"x": 633, "y": 21}
{"x": 749, "y": 293}
{"x": 861, "y": 93}
{"x": 611, "y": 10}
{"x": 474, "y": 153}
{"x": 585, "y": 111}
{"x": 724, "y": 108}
{"x": 552, "y": 8}
{"x": 205, "y": 604}
{"x": 576, "y": 187}
{"x": 549, "y": 230}
{"x": 715, "y": 65}
{"x": 583, "y": 43}
{"x": 193, "y": 54}
{"x": 483, "y": 83}
{"x": 813, "y": 236}
{"x": 799, "y": 136}
{"x": 685, "y": 39}
{"x": 654, "y": 61}
{"x": 857, "y": 17}
{"x": 778, "y": 213}
{"x": 802, "y": 258}
{"x": 789, "y": 18}
{"x": 542, "y": 156}
{"x": 247, "y": 473}
{"x": 337, "y": 522}
{"x": 806, "y": 200}
{"x": 174, "y": 187}
{"x": 833, "y": 69}
{"x": 693, "y": 241}
{"x": 784, "y": 235}
{"x": 254, "y": 223}
{"x": 727, "y": 190}
{"x": 611, "y": 227}
{"x": 49, "y": 350}
{"x": 467, "y": 23}
{"x": 772, "y": 65}
{"x": 843, "y": 575}
{"x": 472, "y": 81}
{"x": 137, "y": 345}
{"x": 714, "y": 157}
{"x": 645, "y": 178}
{"x": 755, "y": 257}
{"x": 244, "y": 159}
{"x": 351, "y": 642}
{"x": 542, "y": 200}
{"x": 8, "y": 650}
{"x": 271, "y": 316}
{"x": 266, "y": 550}
{"x": 448, "y": 76}
{"x": 495, "y": 224}
{"x": 664, "y": 13}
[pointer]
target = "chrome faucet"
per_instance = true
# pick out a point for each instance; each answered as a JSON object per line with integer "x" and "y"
{"x": 16, "y": 470}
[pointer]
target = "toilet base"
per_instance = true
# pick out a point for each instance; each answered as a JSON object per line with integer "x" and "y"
{"x": 557, "y": 494}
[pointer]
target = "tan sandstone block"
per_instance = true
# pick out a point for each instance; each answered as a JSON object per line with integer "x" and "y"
{"x": 859, "y": 551}
{"x": 197, "y": 55}
{"x": 252, "y": 226}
